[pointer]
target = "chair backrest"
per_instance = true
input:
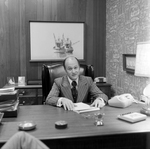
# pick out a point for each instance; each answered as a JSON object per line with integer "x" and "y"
{"x": 53, "y": 71}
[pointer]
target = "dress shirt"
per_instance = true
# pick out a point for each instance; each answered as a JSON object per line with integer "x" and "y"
{"x": 59, "y": 103}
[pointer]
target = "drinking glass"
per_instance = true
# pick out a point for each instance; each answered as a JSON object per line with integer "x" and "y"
{"x": 99, "y": 119}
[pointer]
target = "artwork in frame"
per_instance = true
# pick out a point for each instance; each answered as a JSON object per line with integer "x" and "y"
{"x": 129, "y": 63}
{"x": 54, "y": 41}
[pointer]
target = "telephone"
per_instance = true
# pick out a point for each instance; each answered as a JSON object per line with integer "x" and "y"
{"x": 100, "y": 79}
{"x": 121, "y": 101}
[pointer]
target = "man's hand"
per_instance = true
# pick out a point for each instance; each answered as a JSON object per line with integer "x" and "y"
{"x": 67, "y": 104}
{"x": 98, "y": 102}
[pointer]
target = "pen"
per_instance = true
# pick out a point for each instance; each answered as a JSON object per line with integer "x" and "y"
{"x": 127, "y": 113}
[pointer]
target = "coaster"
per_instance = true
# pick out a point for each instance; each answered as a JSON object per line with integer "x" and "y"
{"x": 27, "y": 125}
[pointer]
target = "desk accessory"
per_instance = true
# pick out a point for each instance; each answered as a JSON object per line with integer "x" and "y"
{"x": 100, "y": 80}
{"x": 121, "y": 101}
{"x": 10, "y": 80}
{"x": 132, "y": 117}
{"x": 27, "y": 125}
{"x": 21, "y": 81}
{"x": 61, "y": 124}
{"x": 99, "y": 119}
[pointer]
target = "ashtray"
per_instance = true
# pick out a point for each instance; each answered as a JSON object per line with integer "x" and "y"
{"x": 27, "y": 125}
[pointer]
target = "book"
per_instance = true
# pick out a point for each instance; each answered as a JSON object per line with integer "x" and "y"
{"x": 132, "y": 117}
{"x": 82, "y": 107}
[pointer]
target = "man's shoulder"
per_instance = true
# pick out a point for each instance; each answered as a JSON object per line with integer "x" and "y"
{"x": 82, "y": 77}
{"x": 85, "y": 77}
{"x": 59, "y": 78}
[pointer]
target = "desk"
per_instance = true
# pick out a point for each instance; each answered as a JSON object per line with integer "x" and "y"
{"x": 26, "y": 99}
{"x": 81, "y": 132}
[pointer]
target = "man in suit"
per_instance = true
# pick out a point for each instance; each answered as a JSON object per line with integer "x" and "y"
{"x": 61, "y": 92}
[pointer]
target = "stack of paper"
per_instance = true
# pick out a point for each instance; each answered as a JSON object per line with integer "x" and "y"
{"x": 9, "y": 101}
{"x": 4, "y": 91}
{"x": 82, "y": 107}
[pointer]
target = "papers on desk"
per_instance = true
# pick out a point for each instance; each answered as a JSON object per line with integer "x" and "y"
{"x": 10, "y": 90}
{"x": 9, "y": 107}
{"x": 82, "y": 107}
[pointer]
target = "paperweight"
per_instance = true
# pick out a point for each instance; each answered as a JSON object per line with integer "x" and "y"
{"x": 61, "y": 124}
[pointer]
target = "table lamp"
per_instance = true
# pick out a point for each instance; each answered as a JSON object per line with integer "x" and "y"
{"x": 142, "y": 69}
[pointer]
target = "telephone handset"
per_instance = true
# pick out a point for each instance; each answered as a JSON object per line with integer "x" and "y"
{"x": 126, "y": 97}
{"x": 100, "y": 79}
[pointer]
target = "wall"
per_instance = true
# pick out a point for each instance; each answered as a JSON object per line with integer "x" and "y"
{"x": 128, "y": 22}
{"x": 14, "y": 32}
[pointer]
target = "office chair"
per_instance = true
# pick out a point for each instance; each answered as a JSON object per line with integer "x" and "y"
{"x": 53, "y": 71}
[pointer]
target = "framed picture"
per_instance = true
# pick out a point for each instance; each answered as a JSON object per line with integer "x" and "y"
{"x": 54, "y": 41}
{"x": 129, "y": 63}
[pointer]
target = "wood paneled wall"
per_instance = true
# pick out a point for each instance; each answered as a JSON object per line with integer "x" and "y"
{"x": 14, "y": 32}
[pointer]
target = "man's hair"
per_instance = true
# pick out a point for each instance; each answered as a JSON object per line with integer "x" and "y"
{"x": 64, "y": 61}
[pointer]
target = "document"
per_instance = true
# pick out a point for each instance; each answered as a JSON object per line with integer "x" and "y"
{"x": 82, "y": 107}
{"x": 10, "y": 90}
{"x": 8, "y": 93}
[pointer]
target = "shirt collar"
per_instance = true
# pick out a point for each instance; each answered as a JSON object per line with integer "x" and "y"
{"x": 70, "y": 81}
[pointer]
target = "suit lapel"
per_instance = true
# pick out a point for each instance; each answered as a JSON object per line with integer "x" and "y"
{"x": 66, "y": 89}
{"x": 82, "y": 89}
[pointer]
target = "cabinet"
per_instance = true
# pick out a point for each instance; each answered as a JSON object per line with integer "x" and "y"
{"x": 28, "y": 94}
{"x": 105, "y": 88}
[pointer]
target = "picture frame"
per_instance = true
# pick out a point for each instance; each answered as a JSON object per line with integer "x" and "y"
{"x": 129, "y": 63}
{"x": 54, "y": 41}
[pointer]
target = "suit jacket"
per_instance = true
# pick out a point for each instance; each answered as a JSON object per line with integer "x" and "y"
{"x": 62, "y": 88}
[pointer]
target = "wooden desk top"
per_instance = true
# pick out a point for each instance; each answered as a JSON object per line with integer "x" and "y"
{"x": 45, "y": 117}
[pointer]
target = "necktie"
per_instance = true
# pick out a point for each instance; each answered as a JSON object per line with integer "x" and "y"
{"x": 74, "y": 91}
